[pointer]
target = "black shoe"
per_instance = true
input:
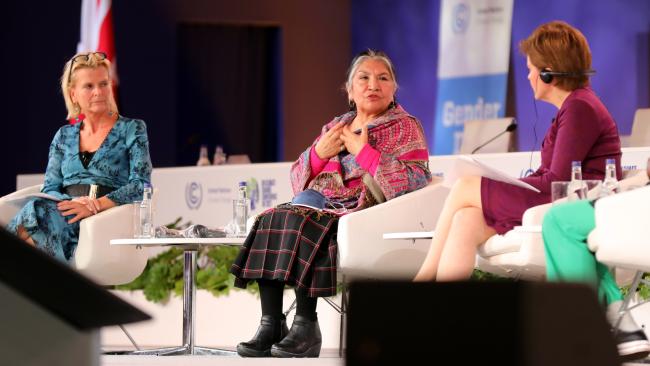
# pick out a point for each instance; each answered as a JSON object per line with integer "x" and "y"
{"x": 632, "y": 345}
{"x": 304, "y": 340}
{"x": 270, "y": 331}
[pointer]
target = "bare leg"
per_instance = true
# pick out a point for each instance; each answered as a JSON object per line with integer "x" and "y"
{"x": 468, "y": 231}
{"x": 24, "y": 235}
{"x": 466, "y": 192}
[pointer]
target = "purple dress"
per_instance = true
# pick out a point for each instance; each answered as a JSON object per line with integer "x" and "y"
{"x": 582, "y": 130}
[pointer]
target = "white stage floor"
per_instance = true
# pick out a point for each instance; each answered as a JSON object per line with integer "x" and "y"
{"x": 327, "y": 358}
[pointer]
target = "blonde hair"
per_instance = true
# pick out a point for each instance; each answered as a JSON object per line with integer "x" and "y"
{"x": 369, "y": 55}
{"x": 79, "y": 61}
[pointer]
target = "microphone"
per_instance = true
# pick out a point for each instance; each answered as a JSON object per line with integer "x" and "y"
{"x": 511, "y": 127}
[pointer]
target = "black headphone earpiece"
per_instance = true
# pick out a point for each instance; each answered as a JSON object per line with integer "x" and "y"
{"x": 546, "y": 76}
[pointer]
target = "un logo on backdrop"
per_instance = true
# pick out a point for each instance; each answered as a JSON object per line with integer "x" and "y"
{"x": 193, "y": 195}
{"x": 460, "y": 20}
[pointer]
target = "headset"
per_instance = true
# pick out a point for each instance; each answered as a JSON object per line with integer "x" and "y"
{"x": 547, "y": 75}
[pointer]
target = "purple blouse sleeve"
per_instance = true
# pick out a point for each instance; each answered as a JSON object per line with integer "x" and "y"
{"x": 579, "y": 128}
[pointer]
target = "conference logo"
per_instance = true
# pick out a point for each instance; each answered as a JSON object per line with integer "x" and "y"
{"x": 460, "y": 19}
{"x": 193, "y": 195}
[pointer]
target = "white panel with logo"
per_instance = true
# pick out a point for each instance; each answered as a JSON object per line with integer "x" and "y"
{"x": 203, "y": 195}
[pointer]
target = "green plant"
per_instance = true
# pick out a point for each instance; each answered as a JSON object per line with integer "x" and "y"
{"x": 163, "y": 274}
{"x": 643, "y": 291}
{"x": 478, "y": 275}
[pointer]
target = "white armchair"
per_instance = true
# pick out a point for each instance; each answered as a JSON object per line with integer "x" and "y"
{"x": 363, "y": 253}
{"x": 622, "y": 234}
{"x": 9, "y": 208}
{"x": 520, "y": 252}
{"x": 109, "y": 264}
{"x": 94, "y": 256}
{"x": 621, "y": 238}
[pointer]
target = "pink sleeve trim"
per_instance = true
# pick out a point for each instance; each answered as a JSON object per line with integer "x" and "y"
{"x": 368, "y": 159}
{"x": 315, "y": 163}
{"x": 332, "y": 166}
{"x": 419, "y": 154}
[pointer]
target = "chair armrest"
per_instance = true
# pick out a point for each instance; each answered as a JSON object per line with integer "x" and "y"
{"x": 10, "y": 204}
{"x": 96, "y": 258}
{"x": 518, "y": 253}
{"x": 622, "y": 232}
{"x": 633, "y": 179}
{"x": 364, "y": 253}
{"x": 534, "y": 216}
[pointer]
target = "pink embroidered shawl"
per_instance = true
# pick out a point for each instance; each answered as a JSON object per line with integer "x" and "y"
{"x": 402, "y": 168}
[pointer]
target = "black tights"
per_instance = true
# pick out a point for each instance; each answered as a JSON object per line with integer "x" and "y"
{"x": 271, "y": 295}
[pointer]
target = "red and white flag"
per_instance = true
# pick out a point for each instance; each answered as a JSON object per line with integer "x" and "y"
{"x": 97, "y": 31}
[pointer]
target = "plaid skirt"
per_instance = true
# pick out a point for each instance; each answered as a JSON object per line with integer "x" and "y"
{"x": 292, "y": 244}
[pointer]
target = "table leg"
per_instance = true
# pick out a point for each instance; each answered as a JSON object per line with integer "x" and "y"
{"x": 189, "y": 303}
{"x": 189, "y": 309}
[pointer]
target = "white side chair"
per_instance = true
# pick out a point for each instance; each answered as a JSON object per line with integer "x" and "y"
{"x": 9, "y": 208}
{"x": 365, "y": 252}
{"x": 477, "y": 132}
{"x": 622, "y": 234}
{"x": 94, "y": 256}
{"x": 109, "y": 264}
{"x": 362, "y": 251}
{"x": 520, "y": 252}
{"x": 621, "y": 238}
{"x": 640, "y": 135}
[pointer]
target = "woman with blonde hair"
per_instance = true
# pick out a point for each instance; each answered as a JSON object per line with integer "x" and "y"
{"x": 98, "y": 149}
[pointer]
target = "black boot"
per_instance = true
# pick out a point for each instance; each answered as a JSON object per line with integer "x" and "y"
{"x": 271, "y": 330}
{"x": 304, "y": 339}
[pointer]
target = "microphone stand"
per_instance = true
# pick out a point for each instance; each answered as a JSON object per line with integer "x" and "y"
{"x": 511, "y": 127}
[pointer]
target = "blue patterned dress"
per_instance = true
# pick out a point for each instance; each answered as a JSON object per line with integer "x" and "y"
{"x": 121, "y": 161}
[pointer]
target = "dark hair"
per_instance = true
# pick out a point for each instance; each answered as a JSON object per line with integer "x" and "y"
{"x": 561, "y": 48}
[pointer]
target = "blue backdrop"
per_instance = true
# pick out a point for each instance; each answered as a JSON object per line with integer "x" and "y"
{"x": 618, "y": 32}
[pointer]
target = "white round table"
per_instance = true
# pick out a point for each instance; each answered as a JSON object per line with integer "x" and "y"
{"x": 190, "y": 247}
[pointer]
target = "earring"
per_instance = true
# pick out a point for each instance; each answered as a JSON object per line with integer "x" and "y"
{"x": 77, "y": 109}
{"x": 392, "y": 104}
{"x": 352, "y": 105}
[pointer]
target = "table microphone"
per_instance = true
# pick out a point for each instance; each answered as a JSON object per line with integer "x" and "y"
{"x": 511, "y": 127}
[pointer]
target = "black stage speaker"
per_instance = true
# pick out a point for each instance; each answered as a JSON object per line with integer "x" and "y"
{"x": 59, "y": 289}
{"x": 477, "y": 323}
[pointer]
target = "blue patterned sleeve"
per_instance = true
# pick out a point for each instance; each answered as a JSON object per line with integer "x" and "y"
{"x": 53, "y": 183}
{"x": 137, "y": 145}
